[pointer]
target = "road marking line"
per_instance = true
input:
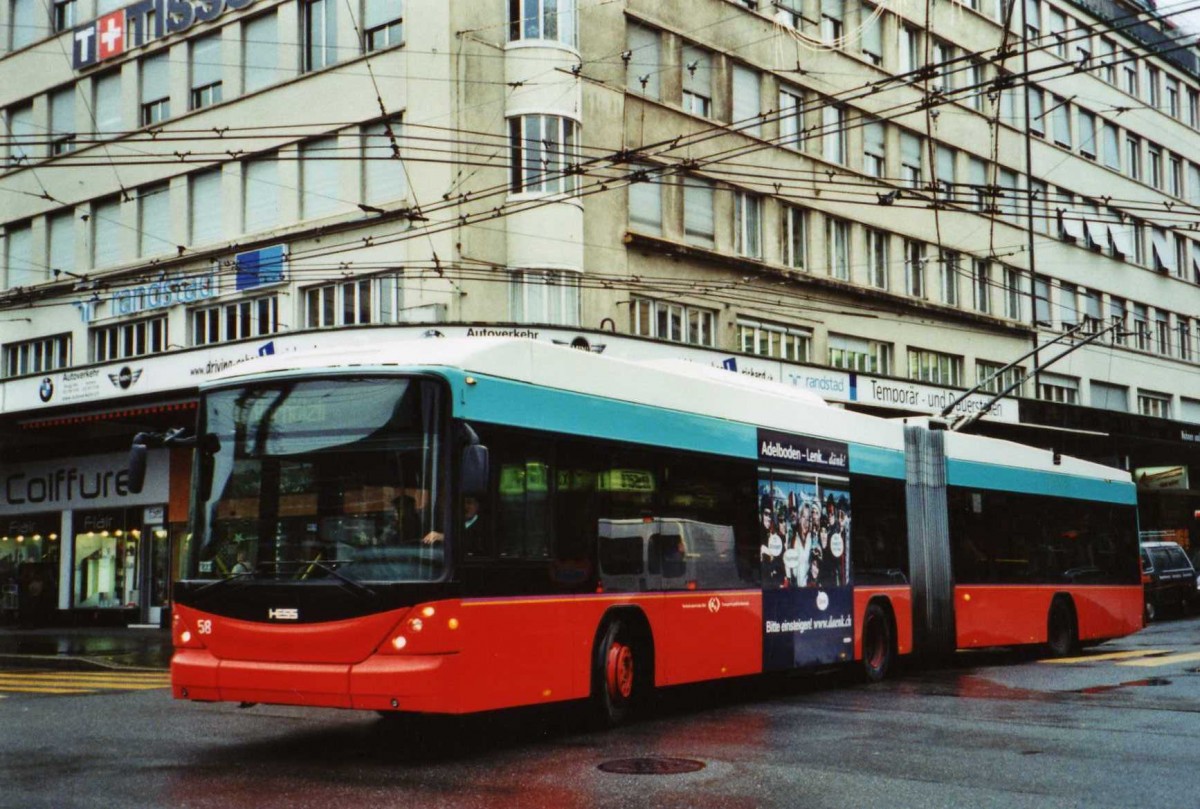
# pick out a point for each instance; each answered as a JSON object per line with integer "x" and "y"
{"x": 1163, "y": 661}
{"x": 1108, "y": 656}
{"x": 12, "y": 689}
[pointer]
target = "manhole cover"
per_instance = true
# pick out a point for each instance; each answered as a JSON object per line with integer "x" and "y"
{"x": 652, "y": 766}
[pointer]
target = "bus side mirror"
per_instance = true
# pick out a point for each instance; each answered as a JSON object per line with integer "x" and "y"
{"x": 474, "y": 470}
{"x": 137, "y": 463}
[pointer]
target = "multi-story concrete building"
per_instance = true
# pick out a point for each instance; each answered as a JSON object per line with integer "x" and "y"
{"x": 884, "y": 202}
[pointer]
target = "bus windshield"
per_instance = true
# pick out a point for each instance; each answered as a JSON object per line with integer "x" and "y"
{"x": 305, "y": 480}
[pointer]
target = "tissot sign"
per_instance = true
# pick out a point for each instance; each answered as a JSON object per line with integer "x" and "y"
{"x": 140, "y": 23}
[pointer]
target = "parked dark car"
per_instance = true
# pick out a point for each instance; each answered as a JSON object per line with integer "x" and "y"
{"x": 1169, "y": 579}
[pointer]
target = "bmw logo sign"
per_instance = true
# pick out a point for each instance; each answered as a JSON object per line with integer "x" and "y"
{"x": 46, "y": 391}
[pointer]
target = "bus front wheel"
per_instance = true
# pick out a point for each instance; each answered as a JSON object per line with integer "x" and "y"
{"x": 877, "y": 645}
{"x": 616, "y": 674}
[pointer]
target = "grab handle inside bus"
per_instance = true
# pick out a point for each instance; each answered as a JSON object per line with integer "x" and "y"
{"x": 474, "y": 470}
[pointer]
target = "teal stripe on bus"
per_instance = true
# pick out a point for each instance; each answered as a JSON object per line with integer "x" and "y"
{"x": 518, "y": 404}
{"x": 971, "y": 474}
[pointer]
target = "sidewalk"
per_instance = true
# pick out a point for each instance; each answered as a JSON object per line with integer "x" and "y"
{"x": 98, "y": 647}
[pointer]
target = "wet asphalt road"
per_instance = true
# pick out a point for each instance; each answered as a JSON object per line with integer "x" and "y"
{"x": 1000, "y": 729}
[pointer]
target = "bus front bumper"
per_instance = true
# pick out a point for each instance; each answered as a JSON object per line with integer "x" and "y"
{"x": 420, "y": 683}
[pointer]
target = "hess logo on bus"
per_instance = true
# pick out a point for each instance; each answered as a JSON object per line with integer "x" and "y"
{"x": 283, "y": 614}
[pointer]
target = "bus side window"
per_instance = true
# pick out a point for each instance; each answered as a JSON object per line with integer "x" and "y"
{"x": 523, "y": 530}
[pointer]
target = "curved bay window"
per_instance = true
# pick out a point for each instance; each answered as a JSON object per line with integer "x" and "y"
{"x": 544, "y": 153}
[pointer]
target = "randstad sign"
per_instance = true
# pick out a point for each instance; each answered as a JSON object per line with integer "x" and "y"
{"x": 141, "y": 23}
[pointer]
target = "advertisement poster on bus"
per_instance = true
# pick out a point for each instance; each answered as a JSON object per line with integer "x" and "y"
{"x": 806, "y": 532}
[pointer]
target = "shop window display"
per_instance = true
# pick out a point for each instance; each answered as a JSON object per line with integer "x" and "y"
{"x": 105, "y": 562}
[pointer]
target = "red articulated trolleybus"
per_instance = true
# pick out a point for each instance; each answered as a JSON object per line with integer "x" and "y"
{"x": 449, "y": 526}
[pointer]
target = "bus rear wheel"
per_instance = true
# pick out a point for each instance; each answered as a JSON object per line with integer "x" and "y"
{"x": 616, "y": 674}
{"x": 877, "y": 645}
{"x": 1062, "y": 636}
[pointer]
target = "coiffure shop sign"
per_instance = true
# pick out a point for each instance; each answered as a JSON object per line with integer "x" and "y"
{"x": 141, "y": 23}
{"x": 98, "y": 481}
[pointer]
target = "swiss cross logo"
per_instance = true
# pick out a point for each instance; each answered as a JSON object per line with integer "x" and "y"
{"x": 110, "y": 34}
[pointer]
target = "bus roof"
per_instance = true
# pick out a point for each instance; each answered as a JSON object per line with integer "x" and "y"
{"x": 680, "y": 385}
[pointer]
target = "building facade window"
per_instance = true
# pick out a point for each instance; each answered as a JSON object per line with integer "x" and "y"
{"x": 108, "y": 243}
{"x": 65, "y": 15}
{"x": 1156, "y": 405}
{"x": 949, "y": 268}
{"x": 935, "y": 367}
{"x": 542, "y": 19}
{"x": 911, "y": 159}
{"x": 38, "y": 356}
{"x": 260, "y": 52}
{"x": 697, "y": 81}
{"x": 774, "y": 340}
{"x": 981, "y": 285}
{"x": 747, "y": 224}
{"x": 871, "y": 37}
{"x": 346, "y": 303}
{"x": 136, "y": 338}
{"x": 320, "y": 34}
{"x": 1133, "y": 157}
{"x": 1058, "y": 388}
{"x": 1109, "y": 397}
{"x": 155, "y": 89}
{"x": 791, "y": 117}
{"x": 204, "y": 207}
{"x": 676, "y": 322}
{"x": 319, "y": 178}
{"x": 544, "y": 153}
{"x": 833, "y": 14}
{"x": 645, "y": 200}
{"x": 698, "y": 211}
{"x": 237, "y": 320}
{"x": 62, "y": 121}
{"x": 747, "y": 100}
{"x": 1085, "y": 123}
{"x": 544, "y": 296}
{"x": 859, "y": 354}
{"x": 384, "y": 179}
{"x": 874, "y": 148}
{"x": 106, "y": 103}
{"x": 17, "y": 251}
{"x": 154, "y": 220}
{"x": 383, "y": 23}
{"x": 260, "y": 194}
{"x": 206, "y": 66}
{"x": 833, "y": 132}
{"x": 642, "y": 70}
{"x": 794, "y": 232}
{"x": 914, "y": 268}
{"x": 992, "y": 377}
{"x": 837, "y": 248}
{"x": 877, "y": 258}
{"x": 60, "y": 228}
{"x": 1014, "y": 288}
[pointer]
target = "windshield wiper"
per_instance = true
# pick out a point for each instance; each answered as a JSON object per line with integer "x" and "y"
{"x": 329, "y": 567}
{"x": 239, "y": 578}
